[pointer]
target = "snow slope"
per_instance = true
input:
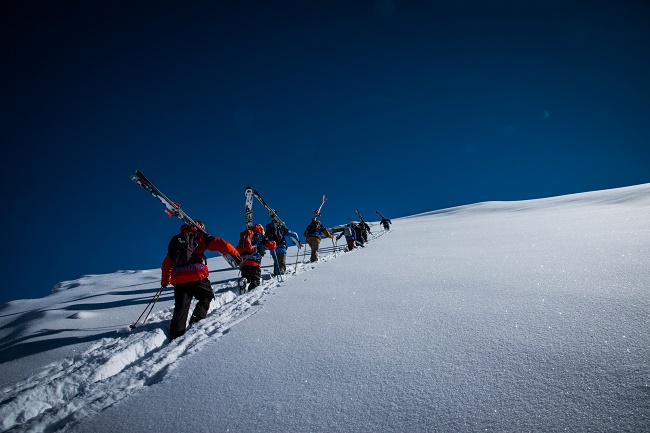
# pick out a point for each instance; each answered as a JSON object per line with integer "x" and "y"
{"x": 500, "y": 316}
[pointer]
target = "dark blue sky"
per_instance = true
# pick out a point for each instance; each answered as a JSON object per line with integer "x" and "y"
{"x": 396, "y": 106}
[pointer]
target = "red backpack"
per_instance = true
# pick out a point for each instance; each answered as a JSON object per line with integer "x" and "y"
{"x": 245, "y": 245}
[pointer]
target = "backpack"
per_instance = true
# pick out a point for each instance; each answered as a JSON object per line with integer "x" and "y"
{"x": 245, "y": 244}
{"x": 181, "y": 248}
{"x": 312, "y": 228}
{"x": 347, "y": 231}
{"x": 273, "y": 232}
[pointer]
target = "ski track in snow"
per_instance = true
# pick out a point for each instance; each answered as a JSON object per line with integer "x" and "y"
{"x": 112, "y": 369}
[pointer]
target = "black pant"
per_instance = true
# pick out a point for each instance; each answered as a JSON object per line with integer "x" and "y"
{"x": 183, "y": 294}
{"x": 253, "y": 274}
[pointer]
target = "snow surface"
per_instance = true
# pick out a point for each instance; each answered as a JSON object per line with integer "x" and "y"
{"x": 497, "y": 317}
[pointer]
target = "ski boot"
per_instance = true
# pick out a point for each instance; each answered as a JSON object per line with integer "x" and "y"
{"x": 242, "y": 284}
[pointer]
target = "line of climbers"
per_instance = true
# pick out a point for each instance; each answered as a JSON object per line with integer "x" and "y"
{"x": 185, "y": 266}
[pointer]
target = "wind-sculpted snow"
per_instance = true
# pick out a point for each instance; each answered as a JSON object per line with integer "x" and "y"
{"x": 113, "y": 368}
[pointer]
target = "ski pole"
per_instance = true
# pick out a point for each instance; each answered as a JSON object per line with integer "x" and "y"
{"x": 334, "y": 246}
{"x": 276, "y": 265}
{"x": 295, "y": 269}
{"x": 154, "y": 300}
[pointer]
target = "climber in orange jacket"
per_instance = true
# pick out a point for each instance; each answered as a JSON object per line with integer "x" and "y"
{"x": 190, "y": 280}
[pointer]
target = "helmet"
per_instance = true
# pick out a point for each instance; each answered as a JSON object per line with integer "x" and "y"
{"x": 200, "y": 224}
{"x": 257, "y": 228}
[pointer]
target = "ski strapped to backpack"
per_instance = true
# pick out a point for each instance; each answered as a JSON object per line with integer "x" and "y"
{"x": 174, "y": 209}
{"x": 317, "y": 211}
{"x": 248, "y": 197}
{"x": 273, "y": 214}
{"x": 269, "y": 209}
{"x": 360, "y": 217}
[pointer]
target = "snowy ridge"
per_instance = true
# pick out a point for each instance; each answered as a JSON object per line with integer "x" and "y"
{"x": 638, "y": 195}
{"x": 520, "y": 316}
{"x": 111, "y": 369}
